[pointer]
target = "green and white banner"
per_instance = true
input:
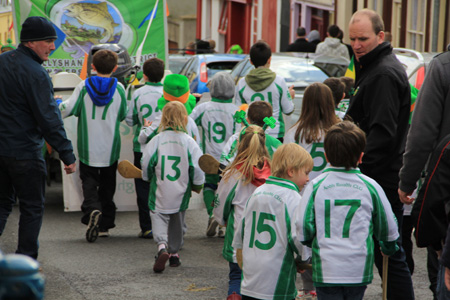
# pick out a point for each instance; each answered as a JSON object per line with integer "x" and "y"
{"x": 80, "y": 24}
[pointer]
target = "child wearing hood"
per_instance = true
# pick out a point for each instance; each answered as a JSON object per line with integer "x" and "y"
{"x": 100, "y": 104}
{"x": 216, "y": 120}
{"x": 262, "y": 84}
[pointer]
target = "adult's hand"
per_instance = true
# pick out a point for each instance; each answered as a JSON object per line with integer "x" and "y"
{"x": 70, "y": 168}
{"x": 405, "y": 197}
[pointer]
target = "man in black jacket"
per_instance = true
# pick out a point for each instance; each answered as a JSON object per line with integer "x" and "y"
{"x": 301, "y": 44}
{"x": 380, "y": 106}
{"x": 28, "y": 114}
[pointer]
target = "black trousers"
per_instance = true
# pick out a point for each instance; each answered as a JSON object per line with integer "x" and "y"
{"x": 142, "y": 190}
{"x": 99, "y": 186}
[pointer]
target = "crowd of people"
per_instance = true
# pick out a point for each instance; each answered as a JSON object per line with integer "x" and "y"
{"x": 324, "y": 198}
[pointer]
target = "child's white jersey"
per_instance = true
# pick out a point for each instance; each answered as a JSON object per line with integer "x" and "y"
{"x": 277, "y": 94}
{"x": 339, "y": 213}
{"x": 229, "y": 204}
{"x": 216, "y": 120}
{"x": 170, "y": 163}
{"x": 268, "y": 241}
{"x": 144, "y": 105}
{"x": 147, "y": 133}
{"x": 98, "y": 131}
{"x": 316, "y": 150}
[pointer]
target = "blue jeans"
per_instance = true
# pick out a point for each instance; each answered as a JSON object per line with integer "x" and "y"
{"x": 341, "y": 292}
{"x": 26, "y": 180}
{"x": 234, "y": 284}
{"x": 142, "y": 191}
{"x": 441, "y": 290}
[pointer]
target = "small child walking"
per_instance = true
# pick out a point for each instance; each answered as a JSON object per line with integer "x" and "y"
{"x": 144, "y": 107}
{"x": 215, "y": 118}
{"x": 100, "y": 104}
{"x": 267, "y": 234}
{"x": 340, "y": 213}
{"x": 170, "y": 164}
{"x": 248, "y": 171}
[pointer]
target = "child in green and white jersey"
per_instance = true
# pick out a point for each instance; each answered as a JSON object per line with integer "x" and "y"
{"x": 256, "y": 113}
{"x": 248, "y": 171}
{"x": 170, "y": 163}
{"x": 216, "y": 120}
{"x": 340, "y": 213}
{"x": 316, "y": 118}
{"x": 100, "y": 104}
{"x": 144, "y": 107}
{"x": 262, "y": 84}
{"x": 267, "y": 234}
{"x": 337, "y": 88}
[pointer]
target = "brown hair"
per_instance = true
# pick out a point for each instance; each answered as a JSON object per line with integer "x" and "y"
{"x": 154, "y": 69}
{"x": 257, "y": 111}
{"x": 290, "y": 156}
{"x": 260, "y": 53}
{"x": 252, "y": 151}
{"x": 349, "y": 83}
{"x": 174, "y": 115}
{"x": 337, "y": 88}
{"x": 344, "y": 144}
{"x": 104, "y": 61}
{"x": 317, "y": 114}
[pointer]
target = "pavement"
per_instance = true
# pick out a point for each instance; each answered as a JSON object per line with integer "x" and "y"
{"x": 120, "y": 267}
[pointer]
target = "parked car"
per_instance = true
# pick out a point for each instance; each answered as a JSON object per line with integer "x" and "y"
{"x": 299, "y": 70}
{"x": 177, "y": 61}
{"x": 415, "y": 64}
{"x": 200, "y": 67}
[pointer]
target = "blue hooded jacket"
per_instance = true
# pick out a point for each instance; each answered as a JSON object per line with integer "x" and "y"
{"x": 101, "y": 89}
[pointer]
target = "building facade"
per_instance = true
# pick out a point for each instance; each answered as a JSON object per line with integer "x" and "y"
{"x": 6, "y": 22}
{"x": 422, "y": 25}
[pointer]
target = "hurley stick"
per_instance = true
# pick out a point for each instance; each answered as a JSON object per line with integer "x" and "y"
{"x": 385, "y": 275}
{"x": 128, "y": 170}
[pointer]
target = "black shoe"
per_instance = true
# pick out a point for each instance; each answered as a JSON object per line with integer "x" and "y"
{"x": 174, "y": 261}
{"x": 160, "y": 261}
{"x": 92, "y": 229}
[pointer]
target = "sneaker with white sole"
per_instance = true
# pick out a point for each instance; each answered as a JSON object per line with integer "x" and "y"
{"x": 103, "y": 233}
{"x": 221, "y": 231}
{"x": 92, "y": 228}
{"x": 212, "y": 226}
{"x": 160, "y": 261}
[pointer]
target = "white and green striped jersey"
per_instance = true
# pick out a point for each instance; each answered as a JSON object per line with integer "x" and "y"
{"x": 229, "y": 151}
{"x": 339, "y": 214}
{"x": 229, "y": 204}
{"x": 170, "y": 163}
{"x": 268, "y": 241}
{"x": 147, "y": 133}
{"x": 277, "y": 94}
{"x": 144, "y": 105}
{"x": 98, "y": 131}
{"x": 217, "y": 123}
{"x": 316, "y": 150}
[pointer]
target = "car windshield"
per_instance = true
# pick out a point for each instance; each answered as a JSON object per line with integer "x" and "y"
{"x": 217, "y": 66}
{"x": 298, "y": 72}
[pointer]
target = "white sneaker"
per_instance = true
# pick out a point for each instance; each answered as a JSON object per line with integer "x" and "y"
{"x": 212, "y": 226}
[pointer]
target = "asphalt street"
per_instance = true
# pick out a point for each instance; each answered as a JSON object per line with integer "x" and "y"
{"x": 120, "y": 267}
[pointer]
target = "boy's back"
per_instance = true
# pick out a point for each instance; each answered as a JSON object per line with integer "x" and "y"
{"x": 262, "y": 84}
{"x": 216, "y": 119}
{"x": 144, "y": 105}
{"x": 339, "y": 213}
{"x": 99, "y": 119}
{"x": 267, "y": 243}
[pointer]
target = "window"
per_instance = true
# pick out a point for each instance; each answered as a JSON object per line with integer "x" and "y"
{"x": 416, "y": 25}
{"x": 223, "y": 24}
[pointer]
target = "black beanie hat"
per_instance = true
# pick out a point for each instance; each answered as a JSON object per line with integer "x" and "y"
{"x": 37, "y": 29}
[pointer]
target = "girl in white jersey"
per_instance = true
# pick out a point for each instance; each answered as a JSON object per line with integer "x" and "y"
{"x": 170, "y": 163}
{"x": 249, "y": 170}
{"x": 309, "y": 131}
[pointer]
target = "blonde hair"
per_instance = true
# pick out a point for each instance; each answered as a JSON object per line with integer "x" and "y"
{"x": 174, "y": 115}
{"x": 290, "y": 157}
{"x": 252, "y": 151}
{"x": 317, "y": 114}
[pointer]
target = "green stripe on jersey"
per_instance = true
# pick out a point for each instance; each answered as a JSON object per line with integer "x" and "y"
{"x": 83, "y": 132}
{"x": 153, "y": 180}
{"x": 283, "y": 183}
{"x": 228, "y": 250}
{"x": 285, "y": 288}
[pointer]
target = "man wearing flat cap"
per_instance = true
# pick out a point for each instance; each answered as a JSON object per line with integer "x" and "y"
{"x": 28, "y": 115}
